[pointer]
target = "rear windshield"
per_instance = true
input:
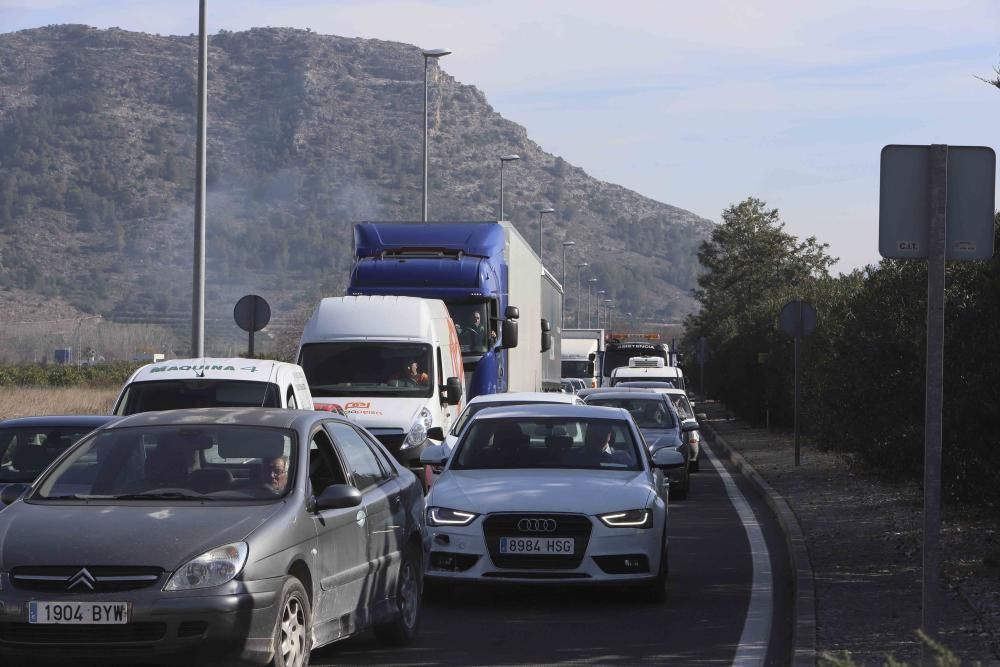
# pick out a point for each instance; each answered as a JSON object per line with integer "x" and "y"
{"x": 647, "y": 412}
{"x": 180, "y": 394}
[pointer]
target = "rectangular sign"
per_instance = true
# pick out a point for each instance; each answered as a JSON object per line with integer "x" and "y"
{"x": 904, "y": 181}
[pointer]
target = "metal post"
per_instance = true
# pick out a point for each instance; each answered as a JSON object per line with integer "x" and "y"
{"x": 501, "y": 189}
{"x": 540, "y": 214}
{"x": 253, "y": 328}
{"x": 798, "y": 341}
{"x": 198, "y": 291}
{"x": 423, "y": 217}
{"x": 934, "y": 397}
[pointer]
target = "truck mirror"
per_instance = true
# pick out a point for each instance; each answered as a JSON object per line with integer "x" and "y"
{"x": 591, "y": 356}
{"x": 511, "y": 313}
{"x": 452, "y": 391}
{"x": 546, "y": 335}
{"x": 508, "y": 331}
{"x": 590, "y": 368}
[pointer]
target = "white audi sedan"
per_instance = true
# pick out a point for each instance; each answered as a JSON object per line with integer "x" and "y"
{"x": 560, "y": 494}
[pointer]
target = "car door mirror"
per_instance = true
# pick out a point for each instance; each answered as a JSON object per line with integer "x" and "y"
{"x": 434, "y": 455}
{"x": 12, "y": 492}
{"x": 689, "y": 425}
{"x": 338, "y": 496}
{"x": 435, "y": 433}
{"x": 452, "y": 391}
{"x": 701, "y": 416}
{"x": 508, "y": 331}
{"x": 667, "y": 458}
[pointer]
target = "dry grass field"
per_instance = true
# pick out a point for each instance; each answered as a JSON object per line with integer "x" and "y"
{"x": 32, "y": 401}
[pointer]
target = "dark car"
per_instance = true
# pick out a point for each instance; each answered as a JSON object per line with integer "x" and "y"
{"x": 198, "y": 536}
{"x": 29, "y": 444}
{"x": 659, "y": 424}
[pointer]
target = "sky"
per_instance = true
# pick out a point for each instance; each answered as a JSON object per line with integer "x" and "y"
{"x": 696, "y": 104}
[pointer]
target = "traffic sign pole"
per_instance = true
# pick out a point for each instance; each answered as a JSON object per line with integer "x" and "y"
{"x": 798, "y": 341}
{"x": 934, "y": 397}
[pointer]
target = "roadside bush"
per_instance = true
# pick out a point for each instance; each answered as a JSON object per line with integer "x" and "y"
{"x": 51, "y": 375}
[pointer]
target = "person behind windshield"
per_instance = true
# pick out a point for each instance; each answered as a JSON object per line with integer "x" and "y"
{"x": 275, "y": 474}
{"x": 409, "y": 376}
{"x": 653, "y": 415}
{"x": 597, "y": 447}
{"x": 474, "y": 333}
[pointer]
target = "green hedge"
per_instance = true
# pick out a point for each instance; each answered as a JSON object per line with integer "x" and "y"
{"x": 51, "y": 375}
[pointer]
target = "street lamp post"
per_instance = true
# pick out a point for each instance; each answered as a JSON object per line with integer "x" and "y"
{"x": 540, "y": 214}
{"x": 505, "y": 158}
{"x": 590, "y": 301}
{"x": 597, "y": 306}
{"x": 579, "y": 290}
{"x": 566, "y": 244}
{"x": 433, "y": 54}
{"x": 608, "y": 303}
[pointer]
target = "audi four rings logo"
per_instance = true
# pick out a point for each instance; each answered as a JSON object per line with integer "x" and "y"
{"x": 537, "y": 525}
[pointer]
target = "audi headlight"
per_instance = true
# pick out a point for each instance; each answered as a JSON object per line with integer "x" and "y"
{"x": 418, "y": 432}
{"x": 627, "y": 519}
{"x": 442, "y": 516}
{"x": 214, "y": 568}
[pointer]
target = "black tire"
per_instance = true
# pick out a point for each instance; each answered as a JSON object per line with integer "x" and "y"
{"x": 402, "y": 627}
{"x": 680, "y": 492}
{"x": 293, "y": 627}
{"x": 656, "y": 592}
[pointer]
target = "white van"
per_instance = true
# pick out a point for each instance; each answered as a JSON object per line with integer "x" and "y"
{"x": 214, "y": 383}
{"x": 393, "y": 364}
{"x": 649, "y": 369}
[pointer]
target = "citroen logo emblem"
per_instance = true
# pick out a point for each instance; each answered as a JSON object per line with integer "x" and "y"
{"x": 83, "y": 577}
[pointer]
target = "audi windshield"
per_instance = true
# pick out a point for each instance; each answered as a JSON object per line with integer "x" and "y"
{"x": 592, "y": 444}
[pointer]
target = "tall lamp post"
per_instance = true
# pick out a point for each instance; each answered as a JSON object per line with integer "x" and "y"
{"x": 597, "y": 306}
{"x": 540, "y": 214}
{"x": 608, "y": 303}
{"x": 201, "y": 157}
{"x": 590, "y": 301}
{"x": 566, "y": 244}
{"x": 433, "y": 54}
{"x": 505, "y": 158}
{"x": 579, "y": 290}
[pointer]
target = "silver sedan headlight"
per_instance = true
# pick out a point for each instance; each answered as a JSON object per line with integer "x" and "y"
{"x": 627, "y": 519}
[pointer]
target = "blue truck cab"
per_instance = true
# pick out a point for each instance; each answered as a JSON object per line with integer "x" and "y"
{"x": 465, "y": 265}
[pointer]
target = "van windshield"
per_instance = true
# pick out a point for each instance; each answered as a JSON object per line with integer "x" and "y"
{"x": 180, "y": 394}
{"x": 368, "y": 369}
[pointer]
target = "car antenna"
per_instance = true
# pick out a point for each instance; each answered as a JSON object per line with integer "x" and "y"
{"x": 200, "y": 373}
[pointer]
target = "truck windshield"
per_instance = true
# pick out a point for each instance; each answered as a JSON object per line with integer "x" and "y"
{"x": 178, "y": 394}
{"x": 474, "y": 327}
{"x": 576, "y": 369}
{"x": 368, "y": 369}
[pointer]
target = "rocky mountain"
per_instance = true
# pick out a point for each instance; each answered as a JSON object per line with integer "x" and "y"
{"x": 308, "y": 133}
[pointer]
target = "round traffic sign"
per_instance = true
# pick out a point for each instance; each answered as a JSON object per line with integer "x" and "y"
{"x": 252, "y": 313}
{"x": 797, "y": 319}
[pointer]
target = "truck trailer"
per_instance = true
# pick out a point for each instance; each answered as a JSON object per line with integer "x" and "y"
{"x": 493, "y": 285}
{"x": 583, "y": 355}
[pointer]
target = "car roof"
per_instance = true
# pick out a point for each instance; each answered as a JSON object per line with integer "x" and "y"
{"x": 265, "y": 417}
{"x": 56, "y": 421}
{"x": 553, "y": 410}
{"x": 628, "y": 393}
{"x": 525, "y": 397}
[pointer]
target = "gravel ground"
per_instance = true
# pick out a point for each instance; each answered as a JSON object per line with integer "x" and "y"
{"x": 864, "y": 539}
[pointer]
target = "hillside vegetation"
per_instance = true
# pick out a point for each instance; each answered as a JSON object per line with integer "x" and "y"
{"x": 308, "y": 133}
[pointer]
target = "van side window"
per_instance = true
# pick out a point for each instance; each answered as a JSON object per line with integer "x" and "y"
{"x": 324, "y": 464}
{"x": 440, "y": 376}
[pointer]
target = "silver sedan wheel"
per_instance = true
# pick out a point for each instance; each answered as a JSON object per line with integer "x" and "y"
{"x": 293, "y": 633}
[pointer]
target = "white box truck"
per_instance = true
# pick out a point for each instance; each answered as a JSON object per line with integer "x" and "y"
{"x": 393, "y": 364}
{"x": 583, "y": 355}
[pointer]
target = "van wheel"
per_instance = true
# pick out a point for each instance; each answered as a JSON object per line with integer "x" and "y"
{"x": 402, "y": 627}
{"x": 293, "y": 627}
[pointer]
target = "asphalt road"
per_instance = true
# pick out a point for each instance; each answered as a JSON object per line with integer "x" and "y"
{"x": 702, "y": 622}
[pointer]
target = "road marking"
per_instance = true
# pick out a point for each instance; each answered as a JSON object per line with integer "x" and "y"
{"x": 757, "y": 626}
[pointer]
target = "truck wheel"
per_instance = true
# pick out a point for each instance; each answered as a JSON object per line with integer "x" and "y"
{"x": 402, "y": 627}
{"x": 293, "y": 627}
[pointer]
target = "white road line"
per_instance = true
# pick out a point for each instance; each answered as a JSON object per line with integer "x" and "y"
{"x": 757, "y": 626}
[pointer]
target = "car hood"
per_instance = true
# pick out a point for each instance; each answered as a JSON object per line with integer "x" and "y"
{"x": 587, "y": 491}
{"x": 378, "y": 411}
{"x": 134, "y": 534}
{"x": 657, "y": 438}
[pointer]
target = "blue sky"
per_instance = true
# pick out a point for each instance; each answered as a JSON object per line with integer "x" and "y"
{"x": 697, "y": 104}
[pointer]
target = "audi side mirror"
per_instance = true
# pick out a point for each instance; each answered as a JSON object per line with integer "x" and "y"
{"x": 667, "y": 458}
{"x": 689, "y": 425}
{"x": 12, "y": 492}
{"x": 434, "y": 455}
{"x": 701, "y": 416}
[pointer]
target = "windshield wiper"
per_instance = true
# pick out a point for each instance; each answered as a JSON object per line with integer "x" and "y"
{"x": 161, "y": 495}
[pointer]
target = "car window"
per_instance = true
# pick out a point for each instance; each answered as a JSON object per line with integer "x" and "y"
{"x": 325, "y": 466}
{"x": 647, "y": 412}
{"x": 682, "y": 406}
{"x": 358, "y": 456}
{"x": 26, "y": 452}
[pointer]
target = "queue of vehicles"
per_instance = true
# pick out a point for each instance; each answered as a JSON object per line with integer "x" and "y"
{"x": 283, "y": 514}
